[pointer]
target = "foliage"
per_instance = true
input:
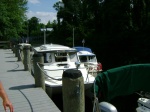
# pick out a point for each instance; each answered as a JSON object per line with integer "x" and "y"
{"x": 114, "y": 29}
{"x": 11, "y": 18}
{"x": 34, "y": 30}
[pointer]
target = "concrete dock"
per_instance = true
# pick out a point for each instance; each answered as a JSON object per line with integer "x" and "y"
{"x": 20, "y": 86}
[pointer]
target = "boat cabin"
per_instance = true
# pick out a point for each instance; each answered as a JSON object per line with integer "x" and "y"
{"x": 54, "y": 53}
{"x": 85, "y": 55}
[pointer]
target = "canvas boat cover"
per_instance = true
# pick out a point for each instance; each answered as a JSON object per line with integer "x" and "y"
{"x": 124, "y": 80}
{"x": 83, "y": 49}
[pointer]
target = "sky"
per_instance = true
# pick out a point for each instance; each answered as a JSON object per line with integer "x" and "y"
{"x": 42, "y": 9}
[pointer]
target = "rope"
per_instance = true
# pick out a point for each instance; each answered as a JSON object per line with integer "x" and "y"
{"x": 96, "y": 106}
{"x": 143, "y": 94}
{"x": 45, "y": 73}
{"x": 87, "y": 78}
{"x": 95, "y": 103}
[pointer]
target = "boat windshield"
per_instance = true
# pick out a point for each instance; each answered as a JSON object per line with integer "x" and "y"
{"x": 73, "y": 57}
{"x": 87, "y": 58}
{"x": 60, "y": 57}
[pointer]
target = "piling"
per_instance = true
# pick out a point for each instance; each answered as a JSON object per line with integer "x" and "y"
{"x": 73, "y": 91}
{"x": 38, "y": 73}
{"x": 13, "y": 48}
{"x": 26, "y": 53}
{"x": 21, "y": 53}
{"x": 18, "y": 52}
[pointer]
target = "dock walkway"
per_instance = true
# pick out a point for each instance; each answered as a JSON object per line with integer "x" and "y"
{"x": 20, "y": 86}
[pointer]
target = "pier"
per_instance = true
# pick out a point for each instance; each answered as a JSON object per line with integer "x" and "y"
{"x": 20, "y": 86}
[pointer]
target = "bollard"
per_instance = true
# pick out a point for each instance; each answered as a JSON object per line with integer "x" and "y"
{"x": 13, "y": 48}
{"x": 10, "y": 44}
{"x": 73, "y": 91}
{"x": 26, "y": 53}
{"x": 21, "y": 53}
{"x": 18, "y": 52}
{"x": 38, "y": 74}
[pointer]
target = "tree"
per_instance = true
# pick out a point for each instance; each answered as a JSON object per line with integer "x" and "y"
{"x": 34, "y": 26}
{"x": 118, "y": 27}
{"x": 11, "y": 18}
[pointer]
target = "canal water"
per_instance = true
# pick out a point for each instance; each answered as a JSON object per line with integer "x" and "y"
{"x": 58, "y": 100}
{"x": 122, "y": 103}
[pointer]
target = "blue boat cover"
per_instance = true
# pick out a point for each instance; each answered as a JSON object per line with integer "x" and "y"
{"x": 124, "y": 80}
{"x": 83, "y": 49}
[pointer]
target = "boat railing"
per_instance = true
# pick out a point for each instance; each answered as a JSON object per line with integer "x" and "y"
{"x": 92, "y": 69}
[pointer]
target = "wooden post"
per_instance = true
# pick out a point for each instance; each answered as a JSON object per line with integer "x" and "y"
{"x": 26, "y": 53}
{"x": 21, "y": 53}
{"x": 18, "y": 52}
{"x": 13, "y": 48}
{"x": 11, "y": 45}
{"x": 73, "y": 91}
{"x": 38, "y": 74}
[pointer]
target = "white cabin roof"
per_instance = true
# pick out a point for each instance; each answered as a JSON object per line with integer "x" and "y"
{"x": 24, "y": 44}
{"x": 85, "y": 53}
{"x": 53, "y": 47}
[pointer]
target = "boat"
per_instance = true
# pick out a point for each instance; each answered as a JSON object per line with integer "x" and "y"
{"x": 143, "y": 105}
{"x": 122, "y": 81}
{"x": 143, "y": 102}
{"x": 58, "y": 58}
{"x": 89, "y": 59}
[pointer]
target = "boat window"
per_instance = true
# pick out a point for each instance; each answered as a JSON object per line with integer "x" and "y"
{"x": 83, "y": 58}
{"x": 61, "y": 54}
{"x": 92, "y": 58}
{"x": 45, "y": 58}
{"x": 49, "y": 57}
{"x": 60, "y": 57}
{"x": 73, "y": 57}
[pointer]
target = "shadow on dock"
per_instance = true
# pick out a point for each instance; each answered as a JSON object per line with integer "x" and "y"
{"x": 22, "y": 87}
{"x": 15, "y": 70}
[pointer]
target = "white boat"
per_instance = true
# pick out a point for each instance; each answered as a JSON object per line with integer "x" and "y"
{"x": 58, "y": 58}
{"x": 143, "y": 105}
{"x": 88, "y": 58}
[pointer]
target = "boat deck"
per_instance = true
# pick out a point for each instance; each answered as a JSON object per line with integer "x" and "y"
{"x": 20, "y": 86}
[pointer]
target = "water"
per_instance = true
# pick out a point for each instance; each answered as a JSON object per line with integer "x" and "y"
{"x": 122, "y": 103}
{"x": 126, "y": 103}
{"x": 58, "y": 100}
